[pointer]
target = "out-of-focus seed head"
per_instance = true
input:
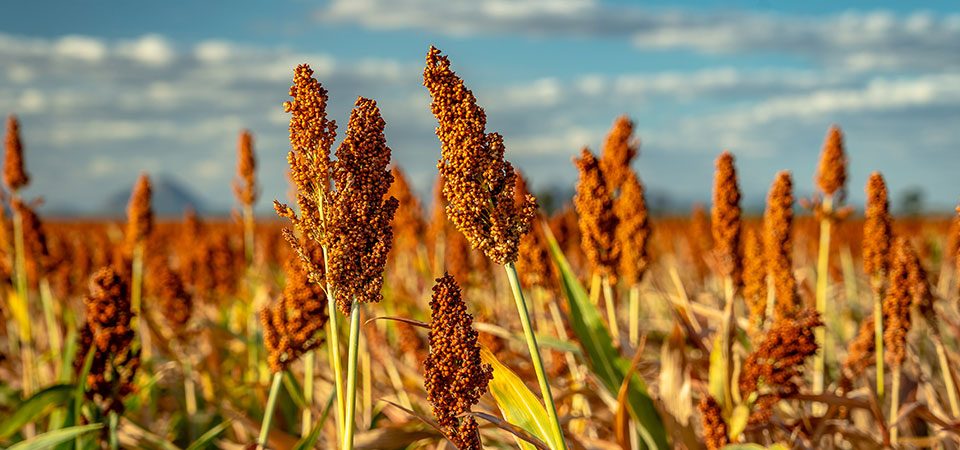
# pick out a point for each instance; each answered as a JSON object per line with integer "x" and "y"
{"x": 897, "y": 302}
{"x": 139, "y": 213}
{"x": 725, "y": 219}
{"x": 619, "y": 149}
{"x": 714, "y": 427}
{"x": 14, "y": 174}
{"x": 754, "y": 282}
{"x": 778, "y": 245}
{"x": 861, "y": 350}
{"x": 597, "y": 218}
{"x": 454, "y": 376}
{"x": 877, "y": 228}
{"x": 776, "y": 364}
{"x": 408, "y": 223}
{"x": 534, "y": 262}
{"x": 176, "y": 304}
{"x": 245, "y": 187}
{"x": 292, "y": 325}
{"x": 479, "y": 185}
{"x": 832, "y": 172}
{"x": 107, "y": 332}
{"x": 633, "y": 229}
{"x": 37, "y": 252}
{"x": 359, "y": 235}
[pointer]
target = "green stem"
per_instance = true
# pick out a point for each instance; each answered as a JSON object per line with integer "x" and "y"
{"x": 26, "y": 333}
{"x": 333, "y": 347}
{"x": 114, "y": 422}
{"x": 878, "y": 335}
{"x": 823, "y": 263}
{"x": 53, "y": 330}
{"x": 534, "y": 352}
{"x": 611, "y": 307}
{"x": 309, "y": 361}
{"x": 634, "y": 319}
{"x": 351, "y": 399}
{"x": 268, "y": 413}
{"x": 248, "y": 234}
{"x": 189, "y": 396}
{"x": 894, "y": 405}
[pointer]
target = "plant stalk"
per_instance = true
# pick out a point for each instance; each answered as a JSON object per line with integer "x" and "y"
{"x": 268, "y": 412}
{"x": 534, "y": 352}
{"x": 53, "y": 330}
{"x": 823, "y": 277}
{"x": 878, "y": 334}
{"x": 611, "y": 307}
{"x": 634, "y": 316}
{"x": 333, "y": 347}
{"x": 894, "y": 405}
{"x": 309, "y": 361}
{"x": 349, "y": 422}
{"x": 114, "y": 422}
{"x": 26, "y": 333}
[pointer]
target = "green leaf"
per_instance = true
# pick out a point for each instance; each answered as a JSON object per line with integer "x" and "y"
{"x": 601, "y": 356}
{"x": 518, "y": 405}
{"x": 294, "y": 389}
{"x": 308, "y": 441}
{"x": 209, "y": 436}
{"x": 35, "y": 407}
{"x": 52, "y": 438}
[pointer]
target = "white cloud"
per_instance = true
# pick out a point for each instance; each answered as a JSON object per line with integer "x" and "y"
{"x": 80, "y": 47}
{"x": 151, "y": 50}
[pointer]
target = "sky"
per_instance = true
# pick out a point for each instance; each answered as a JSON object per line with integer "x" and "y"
{"x": 106, "y": 89}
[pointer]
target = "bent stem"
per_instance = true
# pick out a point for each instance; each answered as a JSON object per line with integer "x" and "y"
{"x": 534, "y": 352}
{"x": 268, "y": 412}
{"x": 351, "y": 399}
{"x": 823, "y": 261}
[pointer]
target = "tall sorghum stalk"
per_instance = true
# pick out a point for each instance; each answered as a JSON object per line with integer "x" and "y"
{"x": 831, "y": 179}
{"x": 355, "y": 231}
{"x": 598, "y": 224}
{"x": 311, "y": 137}
{"x": 896, "y": 315}
{"x": 725, "y": 225}
{"x": 877, "y": 237}
{"x": 245, "y": 190}
{"x": 479, "y": 190}
{"x": 15, "y": 177}
{"x": 139, "y": 227}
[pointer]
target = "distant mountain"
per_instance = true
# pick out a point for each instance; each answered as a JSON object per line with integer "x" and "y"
{"x": 170, "y": 199}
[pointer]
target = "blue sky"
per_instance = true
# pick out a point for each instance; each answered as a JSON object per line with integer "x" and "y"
{"x": 108, "y": 88}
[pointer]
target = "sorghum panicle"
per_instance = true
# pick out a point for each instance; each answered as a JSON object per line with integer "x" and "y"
{"x": 359, "y": 235}
{"x": 619, "y": 149}
{"x": 633, "y": 229}
{"x": 107, "y": 332}
{"x": 597, "y": 219}
{"x": 139, "y": 213}
{"x": 832, "y": 172}
{"x": 14, "y": 174}
{"x": 479, "y": 184}
{"x": 245, "y": 187}
{"x": 725, "y": 219}
{"x": 408, "y": 223}
{"x": 778, "y": 245}
{"x": 455, "y": 377}
{"x": 714, "y": 427}
{"x": 877, "y": 228}
{"x": 292, "y": 325}
{"x": 754, "y": 281}
{"x": 897, "y": 302}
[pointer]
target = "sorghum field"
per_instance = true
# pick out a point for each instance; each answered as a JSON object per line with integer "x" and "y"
{"x": 363, "y": 317}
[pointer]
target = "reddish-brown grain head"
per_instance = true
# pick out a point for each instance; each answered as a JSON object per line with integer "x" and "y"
{"x": 832, "y": 172}
{"x": 454, "y": 376}
{"x": 479, "y": 183}
{"x": 778, "y": 245}
{"x": 897, "y": 302}
{"x": 725, "y": 219}
{"x": 877, "y": 228}
{"x": 714, "y": 427}
{"x": 245, "y": 187}
{"x": 14, "y": 174}
{"x": 139, "y": 212}
{"x": 619, "y": 149}
{"x": 633, "y": 230}
{"x": 597, "y": 218}
{"x": 754, "y": 281}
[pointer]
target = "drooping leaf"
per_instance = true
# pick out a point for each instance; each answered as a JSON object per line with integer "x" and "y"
{"x": 35, "y": 407}
{"x": 518, "y": 405}
{"x": 601, "y": 356}
{"x": 207, "y": 438}
{"x": 53, "y": 438}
